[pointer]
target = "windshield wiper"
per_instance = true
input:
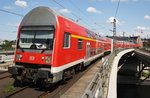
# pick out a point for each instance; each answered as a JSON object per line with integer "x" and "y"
{"x": 43, "y": 50}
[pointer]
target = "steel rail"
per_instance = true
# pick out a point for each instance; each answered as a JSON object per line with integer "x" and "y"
{"x": 17, "y": 91}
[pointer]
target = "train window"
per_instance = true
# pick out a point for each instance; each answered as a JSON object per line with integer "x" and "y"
{"x": 79, "y": 43}
{"x": 41, "y": 39}
{"x": 66, "y": 40}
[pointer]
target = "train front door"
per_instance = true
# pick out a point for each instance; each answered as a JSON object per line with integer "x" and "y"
{"x": 87, "y": 50}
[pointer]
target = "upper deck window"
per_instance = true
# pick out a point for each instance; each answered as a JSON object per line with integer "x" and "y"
{"x": 79, "y": 43}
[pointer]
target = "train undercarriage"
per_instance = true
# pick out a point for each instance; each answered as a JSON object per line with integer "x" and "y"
{"x": 42, "y": 76}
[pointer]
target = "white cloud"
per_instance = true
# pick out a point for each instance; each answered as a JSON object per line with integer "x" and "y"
{"x": 141, "y": 28}
{"x": 147, "y": 17}
{"x": 93, "y": 10}
{"x": 144, "y": 34}
{"x": 142, "y": 31}
{"x": 8, "y": 7}
{"x": 111, "y": 20}
{"x": 64, "y": 11}
{"x": 21, "y": 3}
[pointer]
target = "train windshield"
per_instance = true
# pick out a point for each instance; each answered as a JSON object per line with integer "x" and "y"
{"x": 36, "y": 39}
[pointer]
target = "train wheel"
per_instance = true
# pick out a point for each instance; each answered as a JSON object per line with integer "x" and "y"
{"x": 79, "y": 68}
{"x": 68, "y": 73}
{"x": 19, "y": 82}
{"x": 42, "y": 83}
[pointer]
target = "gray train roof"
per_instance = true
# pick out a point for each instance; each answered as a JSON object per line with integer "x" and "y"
{"x": 40, "y": 16}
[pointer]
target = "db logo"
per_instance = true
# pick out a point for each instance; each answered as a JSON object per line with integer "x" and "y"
{"x": 32, "y": 58}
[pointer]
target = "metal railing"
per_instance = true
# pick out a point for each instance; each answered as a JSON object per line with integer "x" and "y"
{"x": 6, "y": 56}
{"x": 98, "y": 87}
{"x": 4, "y": 67}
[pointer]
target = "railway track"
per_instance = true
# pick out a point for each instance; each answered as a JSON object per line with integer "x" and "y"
{"x": 16, "y": 92}
{"x": 2, "y": 72}
{"x": 4, "y": 75}
{"x": 54, "y": 91}
{"x": 62, "y": 88}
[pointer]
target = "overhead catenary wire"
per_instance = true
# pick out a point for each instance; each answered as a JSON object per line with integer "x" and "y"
{"x": 116, "y": 12}
{"x": 65, "y": 8}
{"x": 10, "y": 12}
{"x": 87, "y": 16}
{"x": 13, "y": 13}
{"x": 117, "y": 9}
{"x": 114, "y": 20}
{"x": 78, "y": 18}
{"x": 81, "y": 11}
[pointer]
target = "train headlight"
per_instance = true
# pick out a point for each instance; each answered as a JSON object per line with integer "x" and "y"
{"x": 47, "y": 59}
{"x": 18, "y": 56}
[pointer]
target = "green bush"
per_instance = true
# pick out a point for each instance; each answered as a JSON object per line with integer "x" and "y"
{"x": 9, "y": 88}
{"x": 145, "y": 74}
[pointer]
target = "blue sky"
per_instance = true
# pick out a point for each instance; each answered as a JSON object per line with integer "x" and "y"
{"x": 133, "y": 15}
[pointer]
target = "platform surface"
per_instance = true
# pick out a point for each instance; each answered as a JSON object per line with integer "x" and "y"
{"x": 80, "y": 86}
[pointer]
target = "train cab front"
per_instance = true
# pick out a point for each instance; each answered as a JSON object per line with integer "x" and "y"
{"x": 34, "y": 49}
{"x": 34, "y": 53}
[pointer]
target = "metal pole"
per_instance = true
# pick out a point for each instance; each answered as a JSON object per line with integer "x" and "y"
{"x": 114, "y": 34}
{"x": 123, "y": 38}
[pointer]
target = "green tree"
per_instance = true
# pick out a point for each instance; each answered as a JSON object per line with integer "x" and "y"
{"x": 7, "y": 45}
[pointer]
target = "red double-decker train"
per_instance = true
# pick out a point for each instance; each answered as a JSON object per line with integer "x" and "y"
{"x": 51, "y": 47}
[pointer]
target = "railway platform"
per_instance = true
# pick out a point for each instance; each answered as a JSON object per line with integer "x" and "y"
{"x": 77, "y": 90}
{"x": 4, "y": 66}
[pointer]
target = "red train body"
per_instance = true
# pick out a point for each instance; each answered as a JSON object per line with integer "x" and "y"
{"x": 51, "y": 47}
